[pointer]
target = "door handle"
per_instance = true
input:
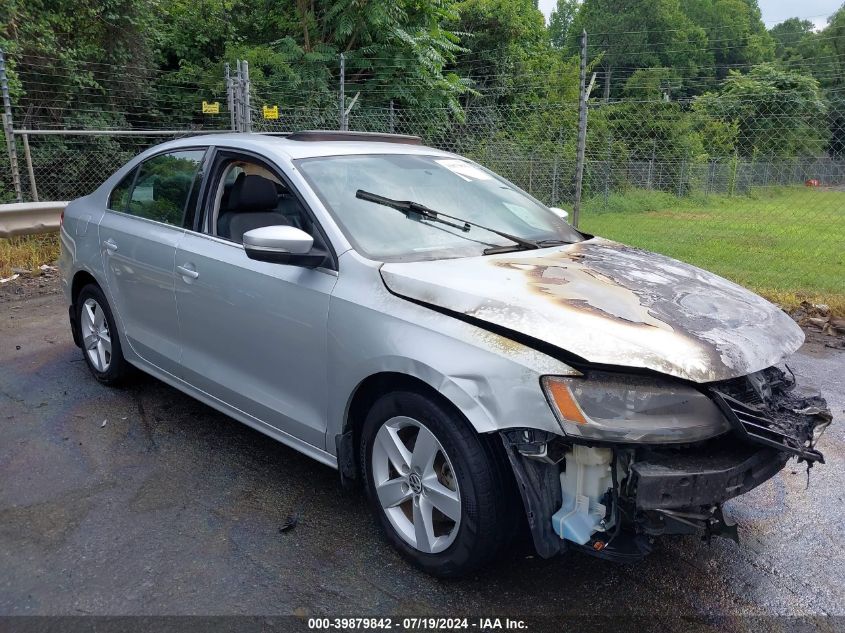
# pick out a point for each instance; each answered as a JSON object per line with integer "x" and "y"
{"x": 187, "y": 272}
{"x": 110, "y": 245}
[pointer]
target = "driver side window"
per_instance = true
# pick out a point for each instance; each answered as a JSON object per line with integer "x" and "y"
{"x": 248, "y": 195}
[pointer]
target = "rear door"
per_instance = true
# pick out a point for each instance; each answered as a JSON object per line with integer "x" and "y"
{"x": 254, "y": 333}
{"x": 138, "y": 237}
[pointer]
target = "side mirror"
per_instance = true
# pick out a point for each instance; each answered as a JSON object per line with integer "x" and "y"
{"x": 563, "y": 215}
{"x": 282, "y": 244}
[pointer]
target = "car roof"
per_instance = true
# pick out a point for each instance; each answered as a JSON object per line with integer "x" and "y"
{"x": 294, "y": 149}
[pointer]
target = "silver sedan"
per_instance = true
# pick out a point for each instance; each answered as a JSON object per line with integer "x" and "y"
{"x": 441, "y": 338}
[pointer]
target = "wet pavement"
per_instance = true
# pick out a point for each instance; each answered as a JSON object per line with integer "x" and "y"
{"x": 144, "y": 501}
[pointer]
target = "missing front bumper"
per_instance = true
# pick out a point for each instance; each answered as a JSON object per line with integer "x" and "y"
{"x": 704, "y": 476}
{"x": 666, "y": 489}
{"x": 768, "y": 408}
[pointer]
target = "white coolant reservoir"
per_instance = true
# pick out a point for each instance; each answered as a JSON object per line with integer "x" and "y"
{"x": 584, "y": 483}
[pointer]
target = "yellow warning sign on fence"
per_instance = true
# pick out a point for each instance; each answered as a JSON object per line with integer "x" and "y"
{"x": 212, "y": 107}
{"x": 270, "y": 112}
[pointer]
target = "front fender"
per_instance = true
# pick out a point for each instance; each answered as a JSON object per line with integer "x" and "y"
{"x": 467, "y": 393}
{"x": 492, "y": 380}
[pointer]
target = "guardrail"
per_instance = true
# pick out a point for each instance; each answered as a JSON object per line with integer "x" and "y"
{"x": 30, "y": 218}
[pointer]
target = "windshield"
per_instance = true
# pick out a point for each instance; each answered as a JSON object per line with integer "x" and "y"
{"x": 444, "y": 184}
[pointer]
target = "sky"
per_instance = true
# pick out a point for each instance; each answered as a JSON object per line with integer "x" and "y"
{"x": 774, "y": 11}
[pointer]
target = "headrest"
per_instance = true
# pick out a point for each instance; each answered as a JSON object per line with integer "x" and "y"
{"x": 235, "y": 191}
{"x": 253, "y": 193}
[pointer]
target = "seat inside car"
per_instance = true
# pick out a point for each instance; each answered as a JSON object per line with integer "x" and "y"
{"x": 252, "y": 203}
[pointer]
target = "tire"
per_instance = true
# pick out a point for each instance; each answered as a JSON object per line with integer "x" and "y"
{"x": 98, "y": 334}
{"x": 465, "y": 466}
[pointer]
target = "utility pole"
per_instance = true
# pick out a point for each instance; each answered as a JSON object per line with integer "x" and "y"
{"x": 8, "y": 129}
{"x": 582, "y": 133}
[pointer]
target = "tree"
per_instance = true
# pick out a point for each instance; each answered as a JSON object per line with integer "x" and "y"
{"x": 630, "y": 34}
{"x": 394, "y": 50}
{"x": 506, "y": 40}
{"x": 50, "y": 47}
{"x": 652, "y": 84}
{"x": 55, "y": 40}
{"x": 673, "y": 143}
{"x": 561, "y": 21}
{"x": 821, "y": 55}
{"x": 789, "y": 35}
{"x": 778, "y": 113}
{"x": 736, "y": 35}
{"x": 836, "y": 80}
{"x": 836, "y": 32}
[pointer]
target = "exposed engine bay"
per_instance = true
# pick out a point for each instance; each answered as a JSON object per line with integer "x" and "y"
{"x": 612, "y": 499}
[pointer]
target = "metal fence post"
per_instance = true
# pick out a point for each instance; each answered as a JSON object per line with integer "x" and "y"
{"x": 247, "y": 123}
{"x": 735, "y": 167}
{"x": 230, "y": 97}
{"x": 707, "y": 182}
{"x": 8, "y": 128}
{"x": 752, "y": 173}
{"x": 392, "y": 121}
{"x": 649, "y": 177}
{"x": 582, "y": 132}
{"x": 531, "y": 174}
{"x": 342, "y": 94}
{"x": 236, "y": 96}
{"x": 607, "y": 170}
{"x": 29, "y": 168}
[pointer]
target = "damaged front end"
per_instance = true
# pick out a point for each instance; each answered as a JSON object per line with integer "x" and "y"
{"x": 768, "y": 408}
{"x": 612, "y": 496}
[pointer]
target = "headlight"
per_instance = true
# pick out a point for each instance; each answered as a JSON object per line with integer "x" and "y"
{"x": 620, "y": 408}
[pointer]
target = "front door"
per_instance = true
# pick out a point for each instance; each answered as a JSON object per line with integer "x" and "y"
{"x": 253, "y": 333}
{"x": 138, "y": 237}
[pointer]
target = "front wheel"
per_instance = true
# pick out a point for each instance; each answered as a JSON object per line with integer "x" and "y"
{"x": 440, "y": 490}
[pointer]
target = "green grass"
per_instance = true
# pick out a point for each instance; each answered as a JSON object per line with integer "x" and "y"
{"x": 787, "y": 243}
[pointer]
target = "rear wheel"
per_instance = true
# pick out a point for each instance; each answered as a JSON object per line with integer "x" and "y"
{"x": 98, "y": 333}
{"x": 440, "y": 490}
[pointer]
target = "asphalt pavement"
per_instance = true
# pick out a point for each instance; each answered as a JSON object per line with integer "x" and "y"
{"x": 142, "y": 501}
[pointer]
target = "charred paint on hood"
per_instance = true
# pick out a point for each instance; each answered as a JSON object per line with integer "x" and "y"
{"x": 567, "y": 278}
{"x": 611, "y": 304}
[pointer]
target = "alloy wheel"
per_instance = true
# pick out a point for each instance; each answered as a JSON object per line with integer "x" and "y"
{"x": 96, "y": 338}
{"x": 416, "y": 484}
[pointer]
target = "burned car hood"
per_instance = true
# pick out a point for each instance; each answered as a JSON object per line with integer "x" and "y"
{"x": 610, "y": 304}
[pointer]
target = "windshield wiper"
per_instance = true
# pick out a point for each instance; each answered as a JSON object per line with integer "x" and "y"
{"x": 416, "y": 210}
{"x": 547, "y": 243}
{"x": 510, "y": 248}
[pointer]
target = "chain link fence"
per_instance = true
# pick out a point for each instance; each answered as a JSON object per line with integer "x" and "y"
{"x": 751, "y": 186}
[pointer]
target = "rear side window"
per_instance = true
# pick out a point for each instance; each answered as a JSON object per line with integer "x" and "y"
{"x": 163, "y": 186}
{"x": 119, "y": 198}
